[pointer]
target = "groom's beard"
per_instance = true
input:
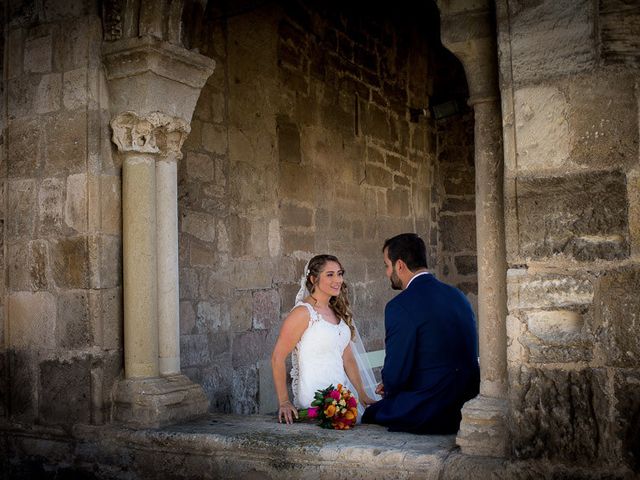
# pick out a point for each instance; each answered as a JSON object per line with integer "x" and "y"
{"x": 396, "y": 284}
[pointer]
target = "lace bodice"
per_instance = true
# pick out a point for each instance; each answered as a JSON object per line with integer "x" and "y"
{"x": 317, "y": 358}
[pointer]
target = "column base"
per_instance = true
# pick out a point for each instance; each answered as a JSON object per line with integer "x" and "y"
{"x": 483, "y": 430}
{"x": 156, "y": 402}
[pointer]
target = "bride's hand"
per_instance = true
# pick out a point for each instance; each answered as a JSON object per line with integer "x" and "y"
{"x": 365, "y": 400}
{"x": 287, "y": 411}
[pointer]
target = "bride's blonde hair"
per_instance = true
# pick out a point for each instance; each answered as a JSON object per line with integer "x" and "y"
{"x": 340, "y": 303}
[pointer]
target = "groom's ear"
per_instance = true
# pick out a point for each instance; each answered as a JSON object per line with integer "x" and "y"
{"x": 400, "y": 265}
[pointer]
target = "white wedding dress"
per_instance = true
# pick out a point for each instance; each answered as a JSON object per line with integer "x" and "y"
{"x": 317, "y": 358}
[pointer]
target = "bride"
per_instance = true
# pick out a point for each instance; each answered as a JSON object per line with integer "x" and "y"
{"x": 326, "y": 347}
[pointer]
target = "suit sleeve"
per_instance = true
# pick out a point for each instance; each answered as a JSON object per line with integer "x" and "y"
{"x": 400, "y": 342}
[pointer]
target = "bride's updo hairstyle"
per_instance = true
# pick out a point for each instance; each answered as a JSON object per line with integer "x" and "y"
{"x": 340, "y": 303}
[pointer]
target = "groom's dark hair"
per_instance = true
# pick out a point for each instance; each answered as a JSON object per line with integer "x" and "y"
{"x": 409, "y": 248}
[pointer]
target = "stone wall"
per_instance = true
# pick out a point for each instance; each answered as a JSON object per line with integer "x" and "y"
{"x": 570, "y": 106}
{"x": 302, "y": 143}
{"x": 61, "y": 301}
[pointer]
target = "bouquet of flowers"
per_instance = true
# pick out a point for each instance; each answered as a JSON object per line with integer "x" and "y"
{"x": 335, "y": 408}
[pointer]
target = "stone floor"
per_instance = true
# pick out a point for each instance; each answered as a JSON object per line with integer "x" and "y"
{"x": 252, "y": 448}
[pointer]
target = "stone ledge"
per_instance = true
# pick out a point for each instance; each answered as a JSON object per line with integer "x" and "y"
{"x": 258, "y": 448}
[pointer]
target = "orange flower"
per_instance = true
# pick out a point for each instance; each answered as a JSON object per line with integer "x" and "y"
{"x": 330, "y": 411}
{"x": 339, "y": 387}
{"x": 349, "y": 416}
{"x": 354, "y": 411}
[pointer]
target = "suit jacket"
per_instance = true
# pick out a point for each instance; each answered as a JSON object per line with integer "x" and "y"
{"x": 431, "y": 363}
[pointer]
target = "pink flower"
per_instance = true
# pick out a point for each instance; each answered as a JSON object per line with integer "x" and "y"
{"x": 313, "y": 412}
{"x": 335, "y": 394}
{"x": 352, "y": 402}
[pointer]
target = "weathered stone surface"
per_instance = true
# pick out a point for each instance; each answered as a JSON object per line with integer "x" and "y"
{"x": 65, "y": 391}
{"x": 619, "y": 23}
{"x": 50, "y": 206}
{"x": 466, "y": 264}
{"x": 558, "y": 413}
{"x": 288, "y": 141}
{"x": 65, "y": 138}
{"x": 32, "y": 320}
{"x": 200, "y": 167}
{"x": 21, "y": 208}
{"x": 296, "y": 215}
{"x": 111, "y": 204}
{"x": 621, "y": 438}
{"x": 49, "y": 93}
{"x": 38, "y": 54}
{"x": 24, "y": 156}
{"x": 75, "y": 89}
{"x": 249, "y": 347}
{"x": 23, "y": 383}
{"x": 75, "y": 207}
{"x": 548, "y": 290}
{"x": 200, "y": 225}
{"x": 398, "y": 202}
{"x": 617, "y": 317}
{"x": 111, "y": 310}
{"x": 582, "y": 216}
{"x": 70, "y": 262}
{"x": 245, "y": 390}
{"x": 458, "y": 233}
{"x": 266, "y": 309}
{"x": 551, "y": 38}
{"x": 73, "y": 323}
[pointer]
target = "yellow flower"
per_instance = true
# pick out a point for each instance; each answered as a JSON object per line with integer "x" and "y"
{"x": 330, "y": 411}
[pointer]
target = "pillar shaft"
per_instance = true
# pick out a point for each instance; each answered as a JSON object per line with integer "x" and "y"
{"x": 139, "y": 266}
{"x": 167, "y": 240}
{"x": 491, "y": 248}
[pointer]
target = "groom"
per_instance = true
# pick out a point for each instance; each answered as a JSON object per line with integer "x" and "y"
{"x": 431, "y": 363}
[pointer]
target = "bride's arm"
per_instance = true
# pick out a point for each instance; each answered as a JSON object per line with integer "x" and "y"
{"x": 353, "y": 372}
{"x": 292, "y": 329}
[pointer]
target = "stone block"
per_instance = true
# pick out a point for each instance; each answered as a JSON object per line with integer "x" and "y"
{"x": 295, "y": 182}
{"x": 75, "y": 207}
{"x": 21, "y": 211}
{"x": 215, "y": 139}
{"x": 288, "y": 141}
{"x": 398, "y": 202}
{"x": 66, "y": 142}
{"x": 111, "y": 315}
{"x": 274, "y": 240}
{"x": 525, "y": 290}
{"x": 458, "y": 233}
{"x": 266, "y": 309}
{"x": 581, "y": 216}
{"x": 378, "y": 176}
{"x": 24, "y": 157}
{"x": 617, "y": 316}
{"x": 619, "y": 24}
{"x": 17, "y": 267}
{"x": 110, "y": 205}
{"x": 187, "y": 318}
{"x": 268, "y": 403}
{"x": 64, "y": 396}
{"x": 73, "y": 324}
{"x": 292, "y": 215}
{"x": 557, "y": 413}
{"x": 50, "y": 206}
{"x": 242, "y": 311}
{"x": 376, "y": 123}
{"x": 39, "y": 264}
{"x": 208, "y": 318}
{"x": 32, "y": 320}
{"x": 556, "y": 336}
{"x": 621, "y": 438}
{"x": 79, "y": 39}
{"x": 23, "y": 383}
{"x": 104, "y": 261}
{"x": 293, "y": 241}
{"x": 194, "y": 350}
{"x": 75, "y": 89}
{"x": 245, "y": 390}
{"x": 466, "y": 264}
{"x": 38, "y": 55}
{"x": 551, "y": 38}
{"x": 70, "y": 262}
{"x": 200, "y": 225}
{"x": 458, "y": 205}
{"x": 54, "y": 10}
{"x": 15, "y": 45}
{"x": 21, "y": 96}
{"x": 250, "y": 347}
{"x": 49, "y": 93}
{"x": 200, "y": 167}
{"x": 201, "y": 255}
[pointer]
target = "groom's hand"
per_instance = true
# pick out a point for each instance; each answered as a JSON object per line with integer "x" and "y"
{"x": 287, "y": 411}
{"x": 380, "y": 389}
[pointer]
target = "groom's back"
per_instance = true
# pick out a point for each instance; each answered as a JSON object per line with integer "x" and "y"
{"x": 444, "y": 324}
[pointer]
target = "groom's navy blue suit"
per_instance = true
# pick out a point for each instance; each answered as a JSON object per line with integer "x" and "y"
{"x": 431, "y": 363}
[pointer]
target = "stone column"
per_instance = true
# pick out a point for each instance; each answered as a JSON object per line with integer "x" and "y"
{"x": 167, "y": 237}
{"x": 469, "y": 32}
{"x": 153, "y": 88}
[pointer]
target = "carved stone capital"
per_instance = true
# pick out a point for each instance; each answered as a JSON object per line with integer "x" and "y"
{"x": 154, "y": 133}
